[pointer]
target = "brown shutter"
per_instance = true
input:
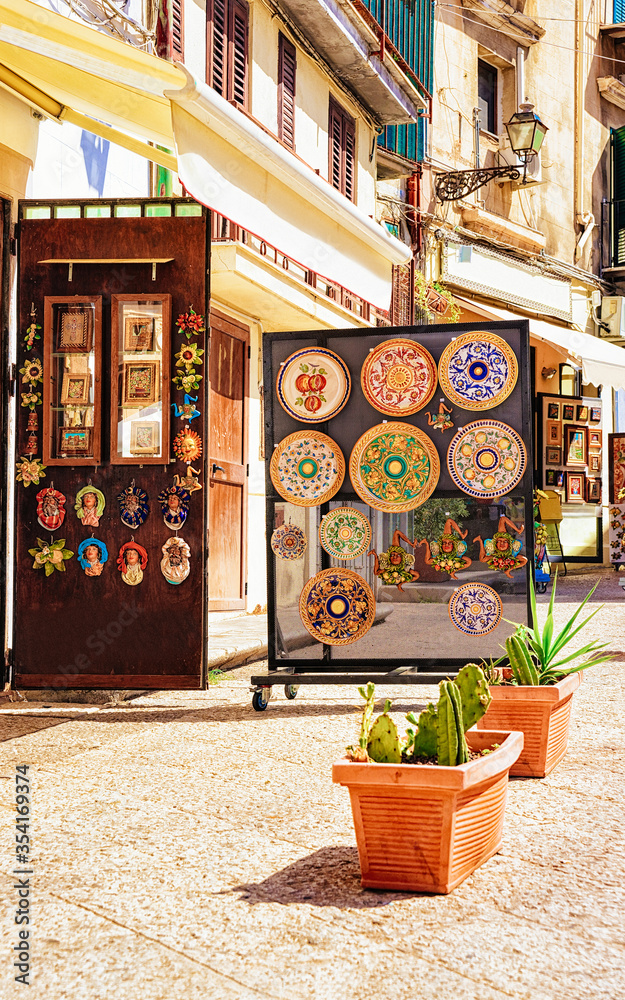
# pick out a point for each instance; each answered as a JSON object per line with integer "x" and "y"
{"x": 342, "y": 151}
{"x": 216, "y": 45}
{"x": 349, "y": 132}
{"x": 286, "y": 92}
{"x": 239, "y": 14}
{"x": 177, "y": 29}
{"x": 335, "y": 134}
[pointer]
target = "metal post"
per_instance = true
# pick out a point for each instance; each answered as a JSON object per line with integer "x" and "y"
{"x": 476, "y": 137}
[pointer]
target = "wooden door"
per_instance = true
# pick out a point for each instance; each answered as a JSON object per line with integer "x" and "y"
{"x": 5, "y": 284}
{"x": 227, "y": 470}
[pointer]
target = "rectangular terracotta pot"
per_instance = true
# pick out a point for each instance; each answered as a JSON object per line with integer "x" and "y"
{"x": 542, "y": 714}
{"x": 425, "y": 828}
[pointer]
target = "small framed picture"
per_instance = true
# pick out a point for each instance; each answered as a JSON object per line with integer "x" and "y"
{"x": 559, "y": 479}
{"x": 74, "y": 440}
{"x": 593, "y": 491}
{"x": 550, "y": 477}
{"x": 553, "y": 455}
{"x": 553, "y": 411}
{"x": 594, "y": 462}
{"x": 139, "y": 384}
{"x": 554, "y": 432}
{"x": 594, "y": 440}
{"x": 138, "y": 332}
{"x": 568, "y": 412}
{"x": 595, "y": 414}
{"x": 145, "y": 438}
{"x": 582, "y": 412}
{"x": 75, "y": 328}
{"x": 75, "y": 389}
{"x": 576, "y": 445}
{"x": 575, "y": 487}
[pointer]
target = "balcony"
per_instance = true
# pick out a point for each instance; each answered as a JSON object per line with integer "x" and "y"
{"x": 504, "y": 17}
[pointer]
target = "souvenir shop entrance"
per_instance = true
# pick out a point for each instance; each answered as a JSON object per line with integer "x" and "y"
{"x": 112, "y": 418}
{"x": 5, "y": 284}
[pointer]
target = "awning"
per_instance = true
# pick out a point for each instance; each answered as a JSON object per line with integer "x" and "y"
{"x": 74, "y": 73}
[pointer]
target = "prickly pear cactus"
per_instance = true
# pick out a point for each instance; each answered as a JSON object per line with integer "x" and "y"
{"x": 383, "y": 744}
{"x": 367, "y": 713}
{"x": 425, "y": 739}
{"x": 452, "y": 745}
{"x": 474, "y": 694}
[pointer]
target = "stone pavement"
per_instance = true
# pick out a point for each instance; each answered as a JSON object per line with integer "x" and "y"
{"x": 189, "y": 847}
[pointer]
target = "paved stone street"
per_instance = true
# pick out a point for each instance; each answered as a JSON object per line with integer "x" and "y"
{"x": 187, "y": 846}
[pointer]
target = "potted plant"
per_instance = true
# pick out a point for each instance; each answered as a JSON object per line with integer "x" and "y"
{"x": 428, "y": 809}
{"x": 434, "y": 298}
{"x": 532, "y": 687}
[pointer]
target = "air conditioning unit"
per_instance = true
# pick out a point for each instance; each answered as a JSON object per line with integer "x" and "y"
{"x": 507, "y": 157}
{"x": 613, "y": 313}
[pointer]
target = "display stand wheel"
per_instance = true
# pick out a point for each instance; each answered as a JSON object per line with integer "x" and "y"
{"x": 260, "y": 699}
{"x": 291, "y": 690}
{"x": 541, "y": 588}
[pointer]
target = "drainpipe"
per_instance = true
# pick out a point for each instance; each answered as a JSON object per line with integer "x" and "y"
{"x": 578, "y": 181}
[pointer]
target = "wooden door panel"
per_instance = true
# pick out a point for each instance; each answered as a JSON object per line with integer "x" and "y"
{"x": 227, "y": 378}
{"x": 226, "y": 546}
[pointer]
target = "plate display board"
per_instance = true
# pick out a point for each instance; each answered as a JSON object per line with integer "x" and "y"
{"x": 423, "y": 488}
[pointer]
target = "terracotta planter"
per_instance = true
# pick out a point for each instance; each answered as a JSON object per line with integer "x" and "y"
{"x": 542, "y": 714}
{"x": 425, "y": 828}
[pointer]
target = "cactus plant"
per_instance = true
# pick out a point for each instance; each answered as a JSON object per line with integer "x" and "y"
{"x": 474, "y": 694}
{"x": 423, "y": 740}
{"x": 452, "y": 746}
{"x": 383, "y": 744}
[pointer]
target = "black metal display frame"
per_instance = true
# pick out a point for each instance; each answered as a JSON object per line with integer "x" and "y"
{"x": 333, "y": 669}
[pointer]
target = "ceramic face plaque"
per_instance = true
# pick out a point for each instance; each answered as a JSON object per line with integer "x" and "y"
{"x": 307, "y": 468}
{"x": 486, "y": 459}
{"x": 337, "y": 606}
{"x": 477, "y": 371}
{"x": 313, "y": 384}
{"x": 288, "y": 542}
{"x": 399, "y": 377}
{"x": 394, "y": 467}
{"x": 345, "y": 533}
{"x": 475, "y": 609}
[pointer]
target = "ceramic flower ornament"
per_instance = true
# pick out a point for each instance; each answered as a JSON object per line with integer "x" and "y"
{"x": 189, "y": 381}
{"x": 50, "y": 556}
{"x": 190, "y": 323}
{"x": 32, "y": 371}
{"x": 31, "y": 399}
{"x": 189, "y": 355}
{"x": 30, "y": 470}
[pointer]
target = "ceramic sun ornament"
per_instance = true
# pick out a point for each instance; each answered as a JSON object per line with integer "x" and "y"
{"x": 50, "y": 508}
{"x": 187, "y": 446}
{"x": 92, "y": 554}
{"x": 133, "y": 505}
{"x": 501, "y": 552}
{"x": 175, "y": 564}
{"x": 174, "y": 503}
{"x": 447, "y": 553}
{"x": 394, "y": 567}
{"x": 131, "y": 562}
{"x": 89, "y": 506}
{"x": 50, "y": 556}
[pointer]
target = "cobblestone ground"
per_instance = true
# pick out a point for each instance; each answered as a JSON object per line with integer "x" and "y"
{"x": 188, "y": 847}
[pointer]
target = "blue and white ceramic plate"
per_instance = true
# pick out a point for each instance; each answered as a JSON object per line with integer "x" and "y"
{"x": 477, "y": 371}
{"x": 337, "y": 606}
{"x": 486, "y": 459}
{"x": 475, "y": 609}
{"x": 307, "y": 468}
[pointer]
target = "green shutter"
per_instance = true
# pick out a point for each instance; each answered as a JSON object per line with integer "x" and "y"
{"x": 619, "y": 11}
{"x": 617, "y": 138}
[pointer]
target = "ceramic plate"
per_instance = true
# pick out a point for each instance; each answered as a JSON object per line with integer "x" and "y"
{"x": 394, "y": 467}
{"x": 337, "y": 606}
{"x": 345, "y": 533}
{"x": 486, "y": 459}
{"x": 475, "y": 609}
{"x": 477, "y": 371}
{"x": 288, "y": 542}
{"x": 313, "y": 384}
{"x": 399, "y": 377}
{"x": 307, "y": 468}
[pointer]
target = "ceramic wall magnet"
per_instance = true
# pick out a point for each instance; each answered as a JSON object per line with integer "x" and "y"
{"x": 313, "y": 384}
{"x": 175, "y": 564}
{"x": 131, "y": 562}
{"x": 486, "y": 459}
{"x": 174, "y": 503}
{"x": 441, "y": 420}
{"x": 394, "y": 467}
{"x": 30, "y": 470}
{"x": 288, "y": 541}
{"x": 477, "y": 371}
{"x": 475, "y": 609}
{"x": 394, "y": 567}
{"x": 50, "y": 556}
{"x": 447, "y": 553}
{"x": 501, "y": 552}
{"x": 187, "y": 446}
{"x": 345, "y": 533}
{"x": 89, "y": 506}
{"x": 188, "y": 410}
{"x": 399, "y": 377}
{"x": 133, "y": 506}
{"x": 337, "y": 606}
{"x": 307, "y": 468}
{"x": 92, "y": 554}
{"x": 189, "y": 481}
{"x": 50, "y": 508}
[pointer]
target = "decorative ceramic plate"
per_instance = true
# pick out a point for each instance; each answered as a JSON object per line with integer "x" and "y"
{"x": 478, "y": 371}
{"x": 288, "y": 542}
{"x": 345, "y": 533}
{"x": 475, "y": 609}
{"x": 486, "y": 459}
{"x": 399, "y": 377}
{"x": 394, "y": 467}
{"x": 313, "y": 384}
{"x": 337, "y": 606}
{"x": 307, "y": 468}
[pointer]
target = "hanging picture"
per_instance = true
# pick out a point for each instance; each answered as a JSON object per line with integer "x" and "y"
{"x": 89, "y": 506}
{"x": 575, "y": 487}
{"x": 139, "y": 386}
{"x": 92, "y": 554}
{"x": 554, "y": 432}
{"x": 568, "y": 411}
{"x": 553, "y": 456}
{"x": 576, "y": 447}
{"x": 175, "y": 564}
{"x": 50, "y": 508}
{"x": 594, "y": 440}
{"x": 131, "y": 562}
{"x": 593, "y": 491}
{"x": 616, "y": 452}
{"x": 138, "y": 332}
{"x": 559, "y": 479}
{"x": 133, "y": 506}
{"x": 75, "y": 389}
{"x": 594, "y": 462}
{"x": 582, "y": 412}
{"x": 595, "y": 414}
{"x": 75, "y": 329}
{"x": 553, "y": 411}
{"x": 174, "y": 503}
{"x": 550, "y": 477}
{"x": 74, "y": 441}
{"x": 145, "y": 437}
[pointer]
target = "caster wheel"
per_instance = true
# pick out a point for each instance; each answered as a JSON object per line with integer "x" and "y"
{"x": 541, "y": 588}
{"x": 291, "y": 690}
{"x": 258, "y": 702}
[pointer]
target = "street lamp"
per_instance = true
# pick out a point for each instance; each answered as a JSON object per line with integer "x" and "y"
{"x": 526, "y": 133}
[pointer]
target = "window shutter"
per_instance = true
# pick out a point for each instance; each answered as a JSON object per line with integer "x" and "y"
{"x": 350, "y": 159}
{"x": 618, "y": 196}
{"x": 335, "y": 135}
{"x": 342, "y": 151}
{"x": 216, "y": 45}
{"x": 286, "y": 92}
{"x": 238, "y": 48}
{"x": 177, "y": 28}
{"x": 619, "y": 11}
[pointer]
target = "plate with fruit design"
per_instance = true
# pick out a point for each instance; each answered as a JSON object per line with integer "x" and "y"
{"x": 313, "y": 385}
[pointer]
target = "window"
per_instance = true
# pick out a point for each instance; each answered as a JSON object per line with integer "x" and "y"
{"x": 286, "y": 92}
{"x": 342, "y": 151}
{"x": 226, "y": 46}
{"x": 617, "y": 215}
{"x": 487, "y": 96}
{"x": 177, "y": 29}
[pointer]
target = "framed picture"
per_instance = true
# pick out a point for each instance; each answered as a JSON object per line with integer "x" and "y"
{"x": 75, "y": 328}
{"x": 550, "y": 477}
{"x": 576, "y": 446}
{"x": 582, "y": 412}
{"x": 139, "y": 383}
{"x": 74, "y": 440}
{"x": 145, "y": 438}
{"x": 595, "y": 414}
{"x": 616, "y": 453}
{"x": 75, "y": 389}
{"x": 559, "y": 479}
{"x": 575, "y": 487}
{"x": 553, "y": 411}
{"x": 568, "y": 412}
{"x": 594, "y": 440}
{"x": 593, "y": 491}
{"x": 553, "y": 455}
{"x": 594, "y": 462}
{"x": 554, "y": 432}
{"x": 138, "y": 332}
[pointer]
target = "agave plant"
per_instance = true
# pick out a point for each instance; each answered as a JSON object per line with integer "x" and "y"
{"x": 537, "y": 657}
